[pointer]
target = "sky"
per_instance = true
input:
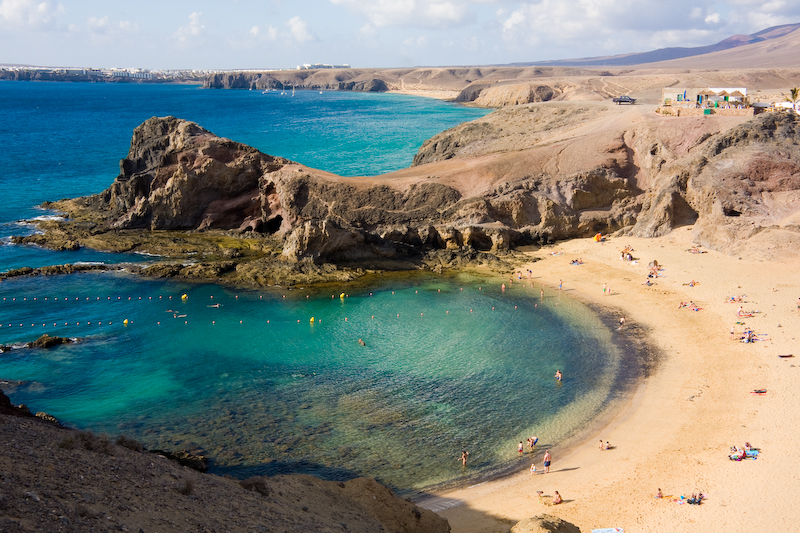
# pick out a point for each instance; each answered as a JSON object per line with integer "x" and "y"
{"x": 267, "y": 34}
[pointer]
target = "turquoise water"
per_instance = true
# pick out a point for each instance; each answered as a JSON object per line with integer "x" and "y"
{"x": 246, "y": 377}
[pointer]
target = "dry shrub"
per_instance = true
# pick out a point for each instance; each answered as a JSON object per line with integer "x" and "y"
{"x": 187, "y": 487}
{"x": 131, "y": 444}
{"x": 256, "y": 483}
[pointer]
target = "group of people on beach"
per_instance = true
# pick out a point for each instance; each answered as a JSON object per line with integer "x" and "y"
{"x": 626, "y": 253}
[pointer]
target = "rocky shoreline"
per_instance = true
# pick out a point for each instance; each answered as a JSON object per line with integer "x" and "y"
{"x": 221, "y": 211}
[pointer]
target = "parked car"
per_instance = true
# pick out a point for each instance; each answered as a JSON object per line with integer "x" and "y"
{"x": 624, "y": 100}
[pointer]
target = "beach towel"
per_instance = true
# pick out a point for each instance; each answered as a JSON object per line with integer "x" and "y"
{"x": 608, "y": 530}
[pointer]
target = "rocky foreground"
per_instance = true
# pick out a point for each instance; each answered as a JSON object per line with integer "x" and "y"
{"x": 529, "y": 174}
{"x": 57, "y": 479}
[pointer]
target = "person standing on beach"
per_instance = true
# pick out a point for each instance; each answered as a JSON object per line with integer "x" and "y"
{"x": 560, "y": 285}
{"x": 521, "y": 448}
{"x": 605, "y": 287}
{"x": 621, "y": 322}
{"x": 547, "y": 459}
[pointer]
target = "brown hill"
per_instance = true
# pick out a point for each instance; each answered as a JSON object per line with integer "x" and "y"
{"x": 685, "y": 55}
{"x": 778, "y": 52}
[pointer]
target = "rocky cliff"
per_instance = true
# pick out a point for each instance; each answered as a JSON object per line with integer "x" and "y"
{"x": 522, "y": 175}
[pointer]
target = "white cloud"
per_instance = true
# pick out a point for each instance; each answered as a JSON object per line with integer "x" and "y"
{"x": 299, "y": 30}
{"x": 193, "y": 30}
{"x": 713, "y": 18}
{"x": 416, "y": 42}
{"x": 368, "y": 31}
{"x": 436, "y": 14}
{"x": 103, "y": 26}
{"x": 29, "y": 14}
{"x": 269, "y": 33}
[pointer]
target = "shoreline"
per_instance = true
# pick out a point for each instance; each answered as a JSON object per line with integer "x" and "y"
{"x": 676, "y": 430}
{"x": 634, "y": 347}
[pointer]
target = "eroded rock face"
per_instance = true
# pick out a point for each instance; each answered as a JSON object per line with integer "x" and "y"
{"x": 179, "y": 176}
{"x": 522, "y": 175}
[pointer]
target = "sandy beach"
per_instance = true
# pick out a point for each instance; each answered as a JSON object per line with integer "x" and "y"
{"x": 676, "y": 431}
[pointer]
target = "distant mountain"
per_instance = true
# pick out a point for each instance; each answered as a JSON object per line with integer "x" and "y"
{"x": 770, "y": 36}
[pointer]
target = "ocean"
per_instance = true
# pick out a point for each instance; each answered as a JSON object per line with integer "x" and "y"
{"x": 277, "y": 381}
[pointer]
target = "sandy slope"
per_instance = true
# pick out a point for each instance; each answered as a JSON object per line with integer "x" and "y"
{"x": 676, "y": 432}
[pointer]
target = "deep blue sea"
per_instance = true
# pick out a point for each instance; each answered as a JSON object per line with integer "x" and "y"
{"x": 275, "y": 380}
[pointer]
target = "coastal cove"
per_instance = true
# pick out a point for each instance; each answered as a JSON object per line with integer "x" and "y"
{"x": 270, "y": 391}
{"x": 391, "y": 375}
{"x": 248, "y": 379}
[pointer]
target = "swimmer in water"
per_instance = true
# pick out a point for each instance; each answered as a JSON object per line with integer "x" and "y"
{"x": 464, "y": 455}
{"x": 361, "y": 342}
{"x": 558, "y": 375}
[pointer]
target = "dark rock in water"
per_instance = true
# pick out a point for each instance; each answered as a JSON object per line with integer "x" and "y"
{"x": 46, "y": 341}
{"x": 196, "y": 462}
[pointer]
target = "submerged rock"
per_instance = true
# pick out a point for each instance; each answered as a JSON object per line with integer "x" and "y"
{"x": 46, "y": 341}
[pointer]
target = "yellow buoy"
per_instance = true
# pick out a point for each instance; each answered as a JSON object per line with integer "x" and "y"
{"x": 185, "y": 296}
{"x": 125, "y": 321}
{"x": 312, "y": 320}
{"x": 341, "y": 296}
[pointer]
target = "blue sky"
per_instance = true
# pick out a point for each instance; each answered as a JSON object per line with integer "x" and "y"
{"x": 231, "y": 34}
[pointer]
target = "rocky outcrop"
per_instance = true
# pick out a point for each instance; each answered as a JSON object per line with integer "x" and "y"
{"x": 522, "y": 175}
{"x": 742, "y": 183}
{"x": 544, "y": 523}
{"x": 46, "y": 341}
{"x": 343, "y": 80}
{"x": 58, "y": 479}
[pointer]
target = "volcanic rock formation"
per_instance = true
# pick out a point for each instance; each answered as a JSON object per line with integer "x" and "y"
{"x": 521, "y": 175}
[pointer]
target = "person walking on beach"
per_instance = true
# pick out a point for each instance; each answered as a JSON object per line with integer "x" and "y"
{"x": 560, "y": 285}
{"x": 605, "y": 288}
{"x": 621, "y": 322}
{"x": 547, "y": 459}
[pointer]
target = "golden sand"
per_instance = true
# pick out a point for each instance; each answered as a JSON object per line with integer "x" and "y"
{"x": 676, "y": 431}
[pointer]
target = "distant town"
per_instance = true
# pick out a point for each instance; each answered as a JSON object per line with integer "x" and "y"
{"x": 27, "y": 72}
